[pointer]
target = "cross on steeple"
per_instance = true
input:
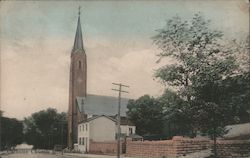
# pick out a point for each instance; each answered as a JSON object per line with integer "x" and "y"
{"x": 78, "y": 43}
{"x": 79, "y": 10}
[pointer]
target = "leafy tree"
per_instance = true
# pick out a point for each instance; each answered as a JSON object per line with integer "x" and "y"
{"x": 211, "y": 119}
{"x": 46, "y": 128}
{"x": 175, "y": 116}
{"x": 236, "y": 93}
{"x": 147, "y": 115}
{"x": 193, "y": 46}
{"x": 202, "y": 65}
{"x": 242, "y": 49}
{"x": 237, "y": 88}
{"x": 11, "y": 132}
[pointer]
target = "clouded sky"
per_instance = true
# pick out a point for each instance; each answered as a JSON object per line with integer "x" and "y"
{"x": 37, "y": 37}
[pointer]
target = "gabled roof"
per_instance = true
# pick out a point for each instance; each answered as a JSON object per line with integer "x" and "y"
{"x": 95, "y": 117}
{"x": 101, "y": 105}
{"x": 124, "y": 120}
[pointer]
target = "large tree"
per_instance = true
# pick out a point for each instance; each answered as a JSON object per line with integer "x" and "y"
{"x": 11, "y": 132}
{"x": 237, "y": 88}
{"x": 195, "y": 48}
{"x": 202, "y": 63}
{"x": 146, "y": 113}
{"x": 176, "y": 120}
{"x": 46, "y": 128}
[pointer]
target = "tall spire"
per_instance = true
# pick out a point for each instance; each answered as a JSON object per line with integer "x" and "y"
{"x": 78, "y": 44}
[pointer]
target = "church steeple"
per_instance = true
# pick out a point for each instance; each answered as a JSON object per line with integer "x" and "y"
{"x": 78, "y": 43}
{"x": 77, "y": 84}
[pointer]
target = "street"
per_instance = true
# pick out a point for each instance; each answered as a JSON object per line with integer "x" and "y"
{"x": 44, "y": 155}
{"x": 30, "y": 155}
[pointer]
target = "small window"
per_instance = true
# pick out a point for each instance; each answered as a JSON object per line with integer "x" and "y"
{"x": 80, "y": 64}
{"x": 80, "y": 141}
{"x": 86, "y": 127}
{"x": 130, "y": 130}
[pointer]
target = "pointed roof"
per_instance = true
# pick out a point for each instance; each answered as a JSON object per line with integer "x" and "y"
{"x": 98, "y": 116}
{"x": 124, "y": 120}
{"x": 78, "y": 43}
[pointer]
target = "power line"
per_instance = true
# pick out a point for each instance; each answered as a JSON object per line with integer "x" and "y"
{"x": 120, "y": 86}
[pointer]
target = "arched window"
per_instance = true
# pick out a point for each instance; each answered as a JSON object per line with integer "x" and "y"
{"x": 80, "y": 64}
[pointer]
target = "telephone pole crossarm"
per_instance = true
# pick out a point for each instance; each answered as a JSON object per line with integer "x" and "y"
{"x": 119, "y": 90}
{"x": 118, "y": 84}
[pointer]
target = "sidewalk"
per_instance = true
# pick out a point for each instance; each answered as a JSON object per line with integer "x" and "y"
{"x": 90, "y": 155}
{"x": 4, "y": 152}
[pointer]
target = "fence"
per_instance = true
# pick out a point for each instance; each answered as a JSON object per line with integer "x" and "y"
{"x": 174, "y": 148}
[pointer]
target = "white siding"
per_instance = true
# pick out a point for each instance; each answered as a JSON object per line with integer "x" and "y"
{"x": 89, "y": 116}
{"x": 83, "y": 134}
{"x": 99, "y": 129}
{"x": 102, "y": 129}
{"x": 125, "y": 129}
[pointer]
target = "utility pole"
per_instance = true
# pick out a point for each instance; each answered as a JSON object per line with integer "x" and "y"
{"x": 0, "y": 129}
{"x": 62, "y": 136}
{"x": 1, "y": 115}
{"x": 119, "y": 115}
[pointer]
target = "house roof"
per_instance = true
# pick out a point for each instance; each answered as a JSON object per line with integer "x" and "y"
{"x": 24, "y": 146}
{"x": 95, "y": 117}
{"x": 135, "y": 136}
{"x": 124, "y": 120}
{"x": 101, "y": 105}
{"x": 238, "y": 131}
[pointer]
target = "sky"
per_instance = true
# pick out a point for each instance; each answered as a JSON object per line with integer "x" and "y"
{"x": 36, "y": 38}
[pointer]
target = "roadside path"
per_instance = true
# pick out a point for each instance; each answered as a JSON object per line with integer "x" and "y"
{"x": 89, "y": 155}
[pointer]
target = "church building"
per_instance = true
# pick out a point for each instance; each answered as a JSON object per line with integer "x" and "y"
{"x": 83, "y": 106}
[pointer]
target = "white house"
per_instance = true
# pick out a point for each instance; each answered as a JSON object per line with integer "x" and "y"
{"x": 101, "y": 128}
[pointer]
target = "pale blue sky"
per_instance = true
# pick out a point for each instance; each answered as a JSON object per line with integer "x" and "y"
{"x": 37, "y": 37}
{"x": 30, "y": 19}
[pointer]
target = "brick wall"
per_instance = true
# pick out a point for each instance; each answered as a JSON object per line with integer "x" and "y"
{"x": 184, "y": 146}
{"x": 150, "y": 149}
{"x": 167, "y": 148}
{"x": 178, "y": 146}
{"x": 233, "y": 148}
{"x": 106, "y": 147}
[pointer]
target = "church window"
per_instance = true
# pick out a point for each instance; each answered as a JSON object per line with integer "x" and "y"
{"x": 80, "y": 64}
